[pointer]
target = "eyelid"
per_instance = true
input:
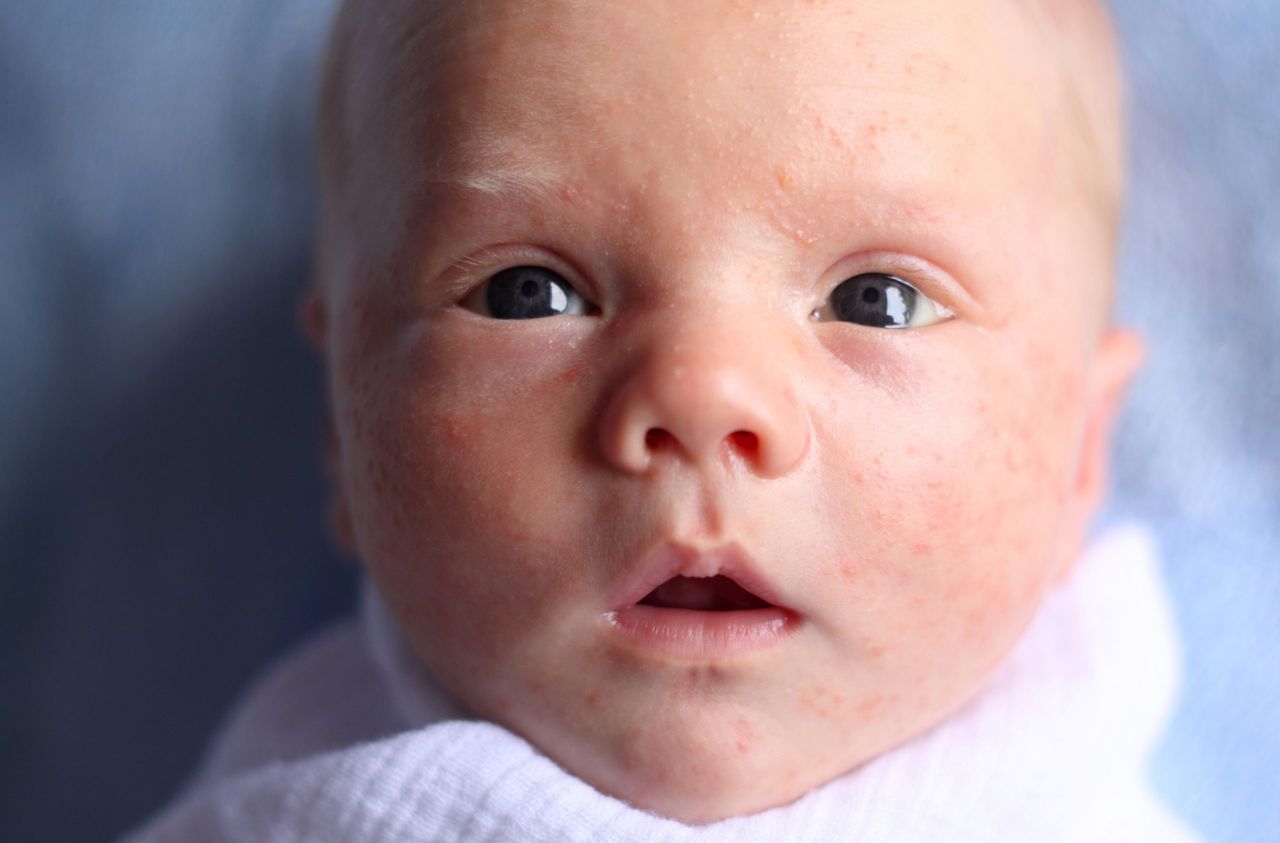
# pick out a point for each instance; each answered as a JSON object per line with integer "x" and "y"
{"x": 926, "y": 277}
{"x": 465, "y": 274}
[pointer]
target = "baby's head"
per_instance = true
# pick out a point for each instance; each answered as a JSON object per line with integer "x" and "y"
{"x": 718, "y": 387}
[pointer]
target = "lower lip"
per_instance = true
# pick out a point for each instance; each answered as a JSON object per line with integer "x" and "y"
{"x": 692, "y": 634}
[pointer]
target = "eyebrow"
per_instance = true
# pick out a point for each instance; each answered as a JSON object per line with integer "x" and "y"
{"x": 494, "y": 172}
{"x": 495, "y": 175}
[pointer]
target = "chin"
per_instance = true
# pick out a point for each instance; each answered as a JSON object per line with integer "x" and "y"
{"x": 701, "y": 799}
{"x": 699, "y": 773}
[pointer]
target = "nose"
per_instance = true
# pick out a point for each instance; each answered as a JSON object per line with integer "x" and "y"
{"x": 702, "y": 395}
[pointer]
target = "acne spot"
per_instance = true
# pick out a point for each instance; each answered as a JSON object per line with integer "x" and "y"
{"x": 745, "y": 736}
{"x": 785, "y": 180}
{"x": 454, "y": 430}
{"x": 922, "y": 549}
{"x": 823, "y": 702}
{"x": 847, "y": 571}
{"x": 571, "y": 375}
{"x": 592, "y": 699}
{"x": 871, "y": 705}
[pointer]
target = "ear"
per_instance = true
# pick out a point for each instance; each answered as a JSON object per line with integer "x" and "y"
{"x": 1118, "y": 358}
{"x": 313, "y": 317}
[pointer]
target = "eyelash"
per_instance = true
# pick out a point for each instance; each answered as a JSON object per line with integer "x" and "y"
{"x": 892, "y": 270}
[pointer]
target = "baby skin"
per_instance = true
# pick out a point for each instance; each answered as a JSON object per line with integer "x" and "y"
{"x": 717, "y": 388}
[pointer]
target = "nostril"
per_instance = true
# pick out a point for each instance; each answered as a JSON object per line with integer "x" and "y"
{"x": 657, "y": 439}
{"x": 745, "y": 443}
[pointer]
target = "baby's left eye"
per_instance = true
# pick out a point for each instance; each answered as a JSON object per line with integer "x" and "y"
{"x": 882, "y": 301}
{"x": 527, "y": 292}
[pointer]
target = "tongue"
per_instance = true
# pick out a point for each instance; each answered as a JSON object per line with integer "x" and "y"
{"x": 706, "y": 594}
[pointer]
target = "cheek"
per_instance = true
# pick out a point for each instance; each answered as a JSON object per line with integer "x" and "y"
{"x": 952, "y": 500}
{"x": 463, "y": 511}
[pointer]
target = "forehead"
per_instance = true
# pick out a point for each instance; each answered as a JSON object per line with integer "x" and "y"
{"x": 902, "y": 113}
{"x": 906, "y": 92}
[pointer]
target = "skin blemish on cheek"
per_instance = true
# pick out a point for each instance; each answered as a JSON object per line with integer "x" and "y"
{"x": 568, "y": 194}
{"x": 880, "y": 518}
{"x": 744, "y": 735}
{"x": 571, "y": 375}
{"x": 592, "y": 699}
{"x": 823, "y": 702}
{"x": 871, "y": 705}
{"x": 455, "y": 431}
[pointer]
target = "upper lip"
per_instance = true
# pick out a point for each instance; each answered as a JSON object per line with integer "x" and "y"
{"x": 672, "y": 559}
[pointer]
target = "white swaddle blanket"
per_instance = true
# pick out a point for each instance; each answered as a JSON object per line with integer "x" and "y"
{"x": 350, "y": 741}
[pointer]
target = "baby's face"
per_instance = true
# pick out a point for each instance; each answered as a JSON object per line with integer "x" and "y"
{"x": 718, "y": 387}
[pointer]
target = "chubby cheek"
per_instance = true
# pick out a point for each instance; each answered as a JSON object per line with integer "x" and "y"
{"x": 952, "y": 520}
{"x": 461, "y": 515}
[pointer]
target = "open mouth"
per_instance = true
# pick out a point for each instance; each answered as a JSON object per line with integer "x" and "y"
{"x": 703, "y": 594}
{"x": 689, "y": 604}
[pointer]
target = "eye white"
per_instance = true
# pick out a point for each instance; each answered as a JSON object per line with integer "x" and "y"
{"x": 880, "y": 300}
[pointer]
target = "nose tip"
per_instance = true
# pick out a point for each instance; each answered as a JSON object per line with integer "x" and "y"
{"x": 705, "y": 405}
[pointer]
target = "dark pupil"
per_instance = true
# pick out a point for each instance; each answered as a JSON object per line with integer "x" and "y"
{"x": 526, "y": 292}
{"x": 880, "y": 301}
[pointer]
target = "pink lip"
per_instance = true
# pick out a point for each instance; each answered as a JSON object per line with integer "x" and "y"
{"x": 689, "y": 633}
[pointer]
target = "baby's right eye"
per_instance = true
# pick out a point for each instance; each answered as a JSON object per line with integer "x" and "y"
{"x": 526, "y": 292}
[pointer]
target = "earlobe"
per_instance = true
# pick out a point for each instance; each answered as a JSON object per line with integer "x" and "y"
{"x": 314, "y": 321}
{"x": 313, "y": 318}
{"x": 1117, "y": 360}
{"x": 340, "y": 527}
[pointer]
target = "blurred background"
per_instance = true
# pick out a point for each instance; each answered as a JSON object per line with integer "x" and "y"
{"x": 161, "y": 501}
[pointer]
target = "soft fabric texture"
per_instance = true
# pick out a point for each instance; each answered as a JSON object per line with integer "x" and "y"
{"x": 349, "y": 740}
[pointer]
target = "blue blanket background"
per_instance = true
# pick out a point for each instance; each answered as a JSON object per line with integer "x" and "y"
{"x": 160, "y": 498}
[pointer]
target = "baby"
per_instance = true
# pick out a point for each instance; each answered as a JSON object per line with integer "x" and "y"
{"x": 718, "y": 388}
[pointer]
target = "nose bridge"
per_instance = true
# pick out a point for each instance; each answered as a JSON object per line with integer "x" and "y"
{"x": 700, "y": 389}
